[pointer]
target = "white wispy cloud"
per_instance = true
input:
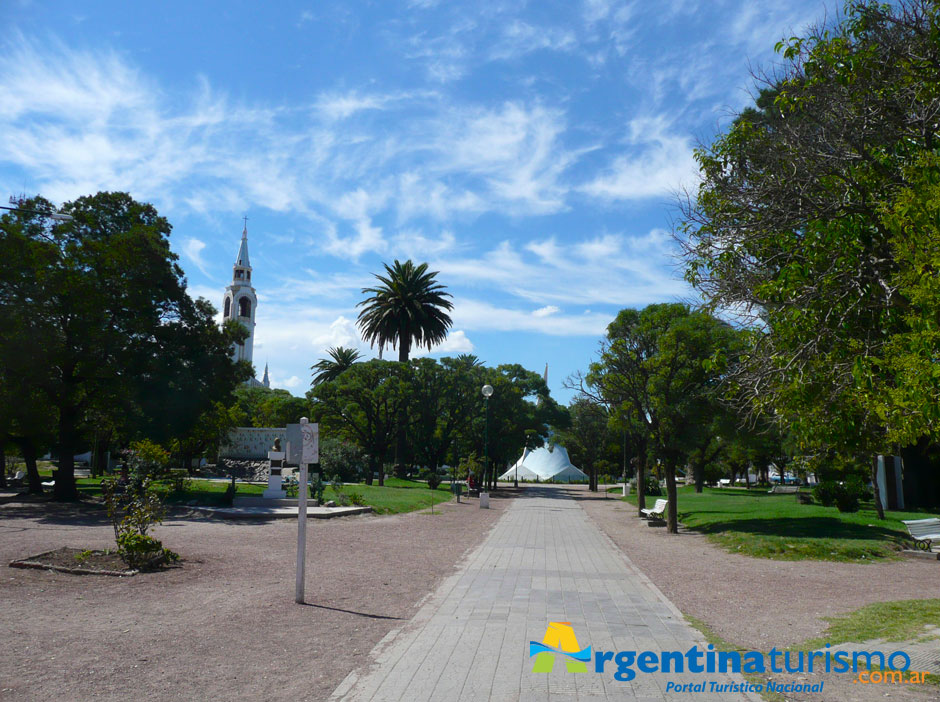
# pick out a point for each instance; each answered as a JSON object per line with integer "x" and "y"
{"x": 192, "y": 249}
{"x": 82, "y": 121}
{"x": 520, "y": 38}
{"x": 657, "y": 163}
{"x": 612, "y": 269}
{"x": 546, "y": 311}
{"x": 481, "y": 315}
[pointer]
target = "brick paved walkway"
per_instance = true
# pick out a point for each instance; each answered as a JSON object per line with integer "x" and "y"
{"x": 544, "y": 561}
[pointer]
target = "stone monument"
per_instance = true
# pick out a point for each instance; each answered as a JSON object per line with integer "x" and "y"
{"x": 275, "y": 488}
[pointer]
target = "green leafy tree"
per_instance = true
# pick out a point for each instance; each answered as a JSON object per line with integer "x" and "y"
{"x": 800, "y": 223}
{"x": 662, "y": 364}
{"x": 365, "y": 405}
{"x": 112, "y": 331}
{"x": 279, "y": 408}
{"x": 589, "y": 440}
{"x": 444, "y": 397}
{"x": 340, "y": 358}
{"x": 408, "y": 307}
{"x": 521, "y": 412}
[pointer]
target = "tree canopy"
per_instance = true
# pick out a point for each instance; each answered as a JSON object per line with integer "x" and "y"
{"x": 99, "y": 326}
{"x": 814, "y": 222}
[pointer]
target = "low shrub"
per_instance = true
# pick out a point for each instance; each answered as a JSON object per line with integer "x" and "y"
{"x": 144, "y": 552}
{"x": 826, "y": 492}
{"x": 844, "y": 496}
{"x": 432, "y": 477}
{"x": 134, "y": 507}
{"x": 652, "y": 486}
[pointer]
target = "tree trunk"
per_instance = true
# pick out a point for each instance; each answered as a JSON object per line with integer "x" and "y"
{"x": 3, "y": 466}
{"x": 698, "y": 472}
{"x": 372, "y": 467}
{"x": 747, "y": 477}
{"x": 875, "y": 488}
{"x": 381, "y": 474}
{"x": 65, "y": 489}
{"x": 672, "y": 525}
{"x": 32, "y": 469}
{"x": 100, "y": 465}
{"x": 401, "y": 443}
{"x": 781, "y": 468}
{"x": 734, "y": 473}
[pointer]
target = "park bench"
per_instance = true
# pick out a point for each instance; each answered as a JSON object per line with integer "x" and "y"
{"x": 784, "y": 489}
{"x": 656, "y": 511}
{"x": 923, "y": 531}
{"x": 17, "y": 480}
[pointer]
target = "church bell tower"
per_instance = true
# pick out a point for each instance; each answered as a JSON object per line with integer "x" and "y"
{"x": 240, "y": 300}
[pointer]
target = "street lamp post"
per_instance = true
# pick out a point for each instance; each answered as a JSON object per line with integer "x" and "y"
{"x": 487, "y": 393}
{"x": 57, "y": 216}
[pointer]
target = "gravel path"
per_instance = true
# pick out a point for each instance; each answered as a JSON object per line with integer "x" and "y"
{"x": 224, "y": 624}
{"x": 760, "y": 603}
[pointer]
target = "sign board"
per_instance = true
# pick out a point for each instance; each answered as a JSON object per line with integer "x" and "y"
{"x": 303, "y": 441}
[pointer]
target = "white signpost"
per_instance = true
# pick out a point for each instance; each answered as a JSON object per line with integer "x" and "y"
{"x": 309, "y": 446}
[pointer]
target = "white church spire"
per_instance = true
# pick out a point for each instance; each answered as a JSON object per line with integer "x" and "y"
{"x": 240, "y": 301}
{"x": 242, "y": 258}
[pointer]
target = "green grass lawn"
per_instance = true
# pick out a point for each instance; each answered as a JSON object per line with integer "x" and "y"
{"x": 395, "y": 497}
{"x": 892, "y": 621}
{"x": 759, "y": 524}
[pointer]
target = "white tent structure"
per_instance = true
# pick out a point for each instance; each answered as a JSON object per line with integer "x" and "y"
{"x": 544, "y": 464}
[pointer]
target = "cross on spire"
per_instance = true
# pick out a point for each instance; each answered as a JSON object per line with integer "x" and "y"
{"x": 245, "y": 230}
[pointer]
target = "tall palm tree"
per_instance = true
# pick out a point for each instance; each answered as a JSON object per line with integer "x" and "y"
{"x": 409, "y": 307}
{"x": 340, "y": 358}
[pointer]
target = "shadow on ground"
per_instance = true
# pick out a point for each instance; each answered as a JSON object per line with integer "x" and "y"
{"x": 801, "y": 527}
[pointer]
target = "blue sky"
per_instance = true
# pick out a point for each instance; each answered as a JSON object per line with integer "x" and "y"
{"x": 529, "y": 151}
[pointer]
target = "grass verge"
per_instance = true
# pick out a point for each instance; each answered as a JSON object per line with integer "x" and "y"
{"x": 892, "y": 621}
{"x": 721, "y": 644}
{"x": 764, "y": 525}
{"x": 395, "y": 497}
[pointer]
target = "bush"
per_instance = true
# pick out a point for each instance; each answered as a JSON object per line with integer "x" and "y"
{"x": 433, "y": 478}
{"x": 133, "y": 508}
{"x": 143, "y": 552}
{"x": 341, "y": 458}
{"x": 146, "y": 459}
{"x": 847, "y": 501}
{"x": 826, "y": 492}
{"x": 355, "y": 498}
{"x": 652, "y": 486}
{"x": 845, "y": 496}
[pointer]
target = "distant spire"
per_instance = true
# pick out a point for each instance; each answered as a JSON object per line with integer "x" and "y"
{"x": 545, "y": 376}
{"x": 265, "y": 381}
{"x": 242, "y": 258}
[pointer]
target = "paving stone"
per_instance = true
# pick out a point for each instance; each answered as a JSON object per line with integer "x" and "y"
{"x": 543, "y": 561}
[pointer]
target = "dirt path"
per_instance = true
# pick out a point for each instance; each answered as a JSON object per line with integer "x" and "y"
{"x": 759, "y": 603}
{"x": 224, "y": 625}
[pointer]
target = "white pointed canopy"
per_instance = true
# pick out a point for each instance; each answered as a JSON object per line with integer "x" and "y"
{"x": 545, "y": 464}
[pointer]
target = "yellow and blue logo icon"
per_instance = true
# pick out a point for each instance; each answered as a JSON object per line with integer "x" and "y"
{"x": 559, "y": 639}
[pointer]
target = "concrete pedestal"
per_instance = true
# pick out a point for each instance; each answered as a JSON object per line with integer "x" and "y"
{"x": 275, "y": 489}
{"x": 484, "y": 500}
